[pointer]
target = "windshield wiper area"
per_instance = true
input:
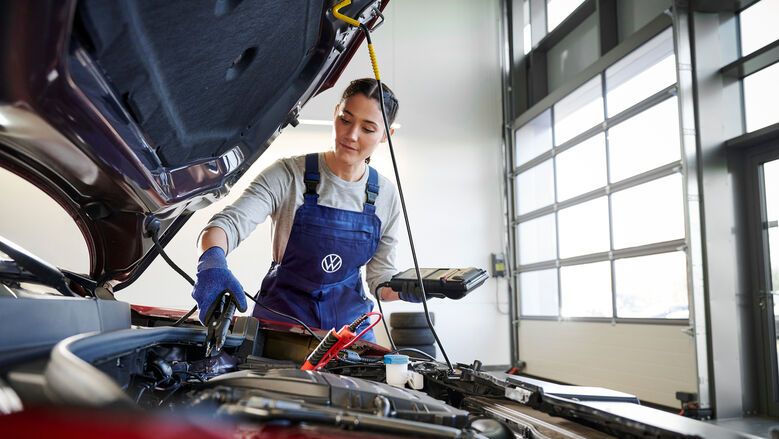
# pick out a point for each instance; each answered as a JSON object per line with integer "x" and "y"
{"x": 26, "y": 267}
{"x": 269, "y": 410}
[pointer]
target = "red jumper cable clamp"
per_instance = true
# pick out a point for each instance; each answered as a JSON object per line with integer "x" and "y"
{"x": 334, "y": 342}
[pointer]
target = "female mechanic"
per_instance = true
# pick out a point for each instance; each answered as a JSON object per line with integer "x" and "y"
{"x": 332, "y": 214}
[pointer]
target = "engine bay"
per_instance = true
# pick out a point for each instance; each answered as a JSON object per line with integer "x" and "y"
{"x": 108, "y": 359}
{"x": 257, "y": 381}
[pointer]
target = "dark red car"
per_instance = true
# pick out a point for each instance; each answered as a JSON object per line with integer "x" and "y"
{"x": 134, "y": 114}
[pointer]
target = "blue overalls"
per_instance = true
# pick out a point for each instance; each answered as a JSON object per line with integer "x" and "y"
{"x": 318, "y": 279}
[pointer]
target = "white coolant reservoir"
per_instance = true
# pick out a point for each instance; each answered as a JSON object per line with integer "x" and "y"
{"x": 396, "y": 369}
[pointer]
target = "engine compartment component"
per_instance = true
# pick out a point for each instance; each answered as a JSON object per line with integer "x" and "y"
{"x": 349, "y": 393}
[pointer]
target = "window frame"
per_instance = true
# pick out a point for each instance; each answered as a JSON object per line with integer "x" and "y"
{"x": 598, "y": 69}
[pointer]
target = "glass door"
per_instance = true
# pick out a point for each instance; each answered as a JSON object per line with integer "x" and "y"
{"x": 769, "y": 303}
{"x": 763, "y": 201}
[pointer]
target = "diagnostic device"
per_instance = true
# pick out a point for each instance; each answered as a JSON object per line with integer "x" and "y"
{"x": 454, "y": 283}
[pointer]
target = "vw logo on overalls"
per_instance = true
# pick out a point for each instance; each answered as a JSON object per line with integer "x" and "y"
{"x": 331, "y": 263}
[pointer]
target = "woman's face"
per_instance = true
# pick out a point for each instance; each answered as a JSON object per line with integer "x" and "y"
{"x": 358, "y": 128}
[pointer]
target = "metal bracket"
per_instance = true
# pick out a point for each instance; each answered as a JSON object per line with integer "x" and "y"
{"x": 105, "y": 292}
{"x": 377, "y": 13}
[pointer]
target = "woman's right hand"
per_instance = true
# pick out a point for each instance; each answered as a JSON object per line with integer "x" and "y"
{"x": 213, "y": 278}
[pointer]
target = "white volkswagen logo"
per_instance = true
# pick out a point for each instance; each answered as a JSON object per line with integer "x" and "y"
{"x": 331, "y": 263}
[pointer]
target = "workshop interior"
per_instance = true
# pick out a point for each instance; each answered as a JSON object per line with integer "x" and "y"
{"x": 587, "y": 197}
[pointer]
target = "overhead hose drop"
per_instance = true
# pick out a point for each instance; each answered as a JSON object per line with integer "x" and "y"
{"x": 337, "y": 14}
{"x": 374, "y": 63}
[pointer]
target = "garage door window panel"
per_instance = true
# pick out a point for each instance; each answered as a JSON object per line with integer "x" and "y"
{"x": 581, "y": 168}
{"x": 535, "y": 187}
{"x": 584, "y": 228}
{"x": 579, "y": 111}
{"x": 537, "y": 240}
{"x": 645, "y": 142}
{"x": 653, "y": 287}
{"x": 586, "y": 290}
{"x": 648, "y": 213}
{"x": 534, "y": 138}
{"x": 539, "y": 293}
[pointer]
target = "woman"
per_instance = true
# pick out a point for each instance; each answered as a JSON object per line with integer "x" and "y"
{"x": 332, "y": 214}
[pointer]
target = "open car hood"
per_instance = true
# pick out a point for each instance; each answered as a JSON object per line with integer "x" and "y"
{"x": 128, "y": 111}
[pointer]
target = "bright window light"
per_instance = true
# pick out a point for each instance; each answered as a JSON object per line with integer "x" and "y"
{"x": 581, "y": 168}
{"x": 642, "y": 293}
{"x": 558, "y": 10}
{"x": 535, "y": 188}
{"x": 584, "y": 228}
{"x": 644, "y": 72}
{"x": 538, "y": 293}
{"x": 581, "y": 110}
{"x": 758, "y": 25}
{"x": 645, "y": 141}
{"x": 761, "y": 95}
{"x": 648, "y": 213}
{"x": 534, "y": 138}
{"x": 586, "y": 290}
{"x": 537, "y": 240}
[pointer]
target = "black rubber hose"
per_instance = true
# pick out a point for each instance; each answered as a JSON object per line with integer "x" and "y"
{"x": 178, "y": 270}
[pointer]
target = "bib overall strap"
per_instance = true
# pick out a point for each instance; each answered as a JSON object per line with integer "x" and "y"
{"x": 371, "y": 190}
{"x": 311, "y": 178}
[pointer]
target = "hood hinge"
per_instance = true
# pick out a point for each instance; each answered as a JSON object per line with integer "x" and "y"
{"x": 105, "y": 292}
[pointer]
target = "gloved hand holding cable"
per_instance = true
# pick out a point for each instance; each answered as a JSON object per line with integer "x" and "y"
{"x": 213, "y": 278}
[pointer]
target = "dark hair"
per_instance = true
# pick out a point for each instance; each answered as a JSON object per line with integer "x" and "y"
{"x": 370, "y": 88}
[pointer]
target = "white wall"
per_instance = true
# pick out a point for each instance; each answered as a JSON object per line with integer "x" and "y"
{"x": 441, "y": 58}
{"x": 32, "y": 220}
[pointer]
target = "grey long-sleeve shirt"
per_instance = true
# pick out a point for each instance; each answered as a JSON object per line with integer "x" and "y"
{"x": 278, "y": 192}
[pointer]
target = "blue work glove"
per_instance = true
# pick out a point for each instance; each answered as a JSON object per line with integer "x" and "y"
{"x": 213, "y": 277}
